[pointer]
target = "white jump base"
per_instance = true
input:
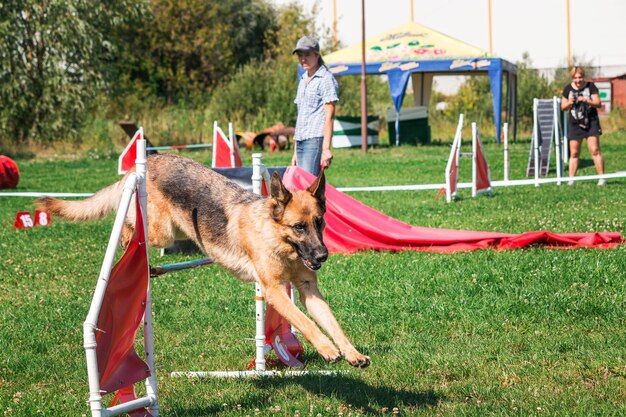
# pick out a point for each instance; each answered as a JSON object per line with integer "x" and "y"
{"x": 254, "y": 374}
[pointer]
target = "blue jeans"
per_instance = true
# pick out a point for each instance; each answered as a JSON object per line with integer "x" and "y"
{"x": 309, "y": 154}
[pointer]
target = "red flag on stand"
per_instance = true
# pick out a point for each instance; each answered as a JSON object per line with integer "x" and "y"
{"x": 225, "y": 152}
{"x": 123, "y": 307}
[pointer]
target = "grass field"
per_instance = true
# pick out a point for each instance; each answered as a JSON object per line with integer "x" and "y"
{"x": 513, "y": 333}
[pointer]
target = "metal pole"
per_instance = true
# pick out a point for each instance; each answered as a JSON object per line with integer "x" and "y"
{"x": 569, "y": 39}
{"x": 363, "y": 84}
{"x": 490, "y": 31}
{"x": 334, "y": 24}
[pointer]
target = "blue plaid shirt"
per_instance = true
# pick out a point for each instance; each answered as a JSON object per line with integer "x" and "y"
{"x": 310, "y": 99}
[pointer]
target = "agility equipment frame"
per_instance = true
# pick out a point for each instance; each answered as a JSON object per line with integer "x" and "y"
{"x": 480, "y": 168}
{"x": 134, "y": 185}
{"x": 452, "y": 167}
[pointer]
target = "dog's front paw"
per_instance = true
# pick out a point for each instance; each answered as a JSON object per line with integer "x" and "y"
{"x": 358, "y": 360}
{"x": 331, "y": 353}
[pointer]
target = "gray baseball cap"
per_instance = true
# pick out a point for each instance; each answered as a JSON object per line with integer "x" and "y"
{"x": 307, "y": 43}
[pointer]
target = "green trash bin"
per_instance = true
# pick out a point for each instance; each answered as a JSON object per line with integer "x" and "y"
{"x": 414, "y": 127}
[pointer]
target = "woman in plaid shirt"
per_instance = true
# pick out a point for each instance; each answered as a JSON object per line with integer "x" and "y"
{"x": 316, "y": 98}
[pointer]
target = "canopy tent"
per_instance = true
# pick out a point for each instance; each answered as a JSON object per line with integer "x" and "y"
{"x": 416, "y": 51}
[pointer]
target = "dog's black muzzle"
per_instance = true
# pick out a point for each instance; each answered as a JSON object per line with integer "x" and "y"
{"x": 313, "y": 257}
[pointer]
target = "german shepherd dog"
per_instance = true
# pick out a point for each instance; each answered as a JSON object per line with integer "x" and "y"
{"x": 273, "y": 240}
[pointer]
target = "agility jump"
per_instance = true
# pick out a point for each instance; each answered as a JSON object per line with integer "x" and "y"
{"x": 481, "y": 178}
{"x": 112, "y": 363}
{"x": 225, "y": 150}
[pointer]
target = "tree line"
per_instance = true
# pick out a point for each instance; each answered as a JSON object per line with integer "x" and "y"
{"x": 66, "y": 64}
{"x": 62, "y": 59}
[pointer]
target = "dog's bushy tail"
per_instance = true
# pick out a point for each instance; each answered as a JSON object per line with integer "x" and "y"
{"x": 95, "y": 207}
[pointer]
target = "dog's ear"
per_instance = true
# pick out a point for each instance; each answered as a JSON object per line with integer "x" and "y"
{"x": 279, "y": 197}
{"x": 318, "y": 189}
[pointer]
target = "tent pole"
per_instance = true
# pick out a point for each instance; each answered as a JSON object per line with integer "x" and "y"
{"x": 363, "y": 84}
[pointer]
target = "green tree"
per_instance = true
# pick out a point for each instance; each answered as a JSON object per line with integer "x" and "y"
{"x": 261, "y": 93}
{"x": 531, "y": 84}
{"x": 50, "y": 53}
{"x": 186, "y": 47}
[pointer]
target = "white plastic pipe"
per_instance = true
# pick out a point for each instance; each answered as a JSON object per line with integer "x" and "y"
{"x": 141, "y": 166}
{"x": 232, "y": 143}
{"x": 565, "y": 139}
{"x": 453, "y": 158}
{"x": 91, "y": 322}
{"x": 214, "y": 143}
{"x": 557, "y": 138}
{"x": 34, "y": 194}
{"x": 422, "y": 187}
{"x": 536, "y": 141}
{"x": 507, "y": 166}
{"x": 474, "y": 144}
{"x": 257, "y": 181}
{"x": 254, "y": 374}
{"x": 134, "y": 181}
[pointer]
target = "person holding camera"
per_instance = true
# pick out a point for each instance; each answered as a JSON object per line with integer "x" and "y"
{"x": 581, "y": 99}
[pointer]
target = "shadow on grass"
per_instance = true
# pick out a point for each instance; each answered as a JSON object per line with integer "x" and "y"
{"x": 347, "y": 389}
{"x": 352, "y": 390}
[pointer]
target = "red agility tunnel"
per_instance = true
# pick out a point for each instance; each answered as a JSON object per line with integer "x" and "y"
{"x": 9, "y": 173}
{"x": 352, "y": 226}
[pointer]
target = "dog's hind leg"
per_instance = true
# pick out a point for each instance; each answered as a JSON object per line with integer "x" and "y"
{"x": 318, "y": 308}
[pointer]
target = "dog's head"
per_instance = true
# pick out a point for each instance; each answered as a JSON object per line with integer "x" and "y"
{"x": 300, "y": 217}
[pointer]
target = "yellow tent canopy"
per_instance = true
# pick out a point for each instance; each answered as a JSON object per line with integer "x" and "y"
{"x": 415, "y": 51}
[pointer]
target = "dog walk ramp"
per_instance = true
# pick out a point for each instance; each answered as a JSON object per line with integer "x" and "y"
{"x": 543, "y": 133}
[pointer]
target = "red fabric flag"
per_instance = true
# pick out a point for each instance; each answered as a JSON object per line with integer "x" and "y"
{"x": 121, "y": 314}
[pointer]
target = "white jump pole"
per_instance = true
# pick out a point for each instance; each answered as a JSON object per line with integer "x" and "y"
{"x": 141, "y": 165}
{"x": 565, "y": 139}
{"x": 536, "y": 141}
{"x": 90, "y": 324}
{"x": 507, "y": 165}
{"x": 231, "y": 138}
{"x": 257, "y": 182}
{"x": 474, "y": 145}
{"x": 214, "y": 143}
{"x": 454, "y": 157}
{"x": 557, "y": 138}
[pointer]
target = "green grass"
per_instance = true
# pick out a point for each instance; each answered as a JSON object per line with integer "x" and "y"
{"x": 512, "y": 333}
